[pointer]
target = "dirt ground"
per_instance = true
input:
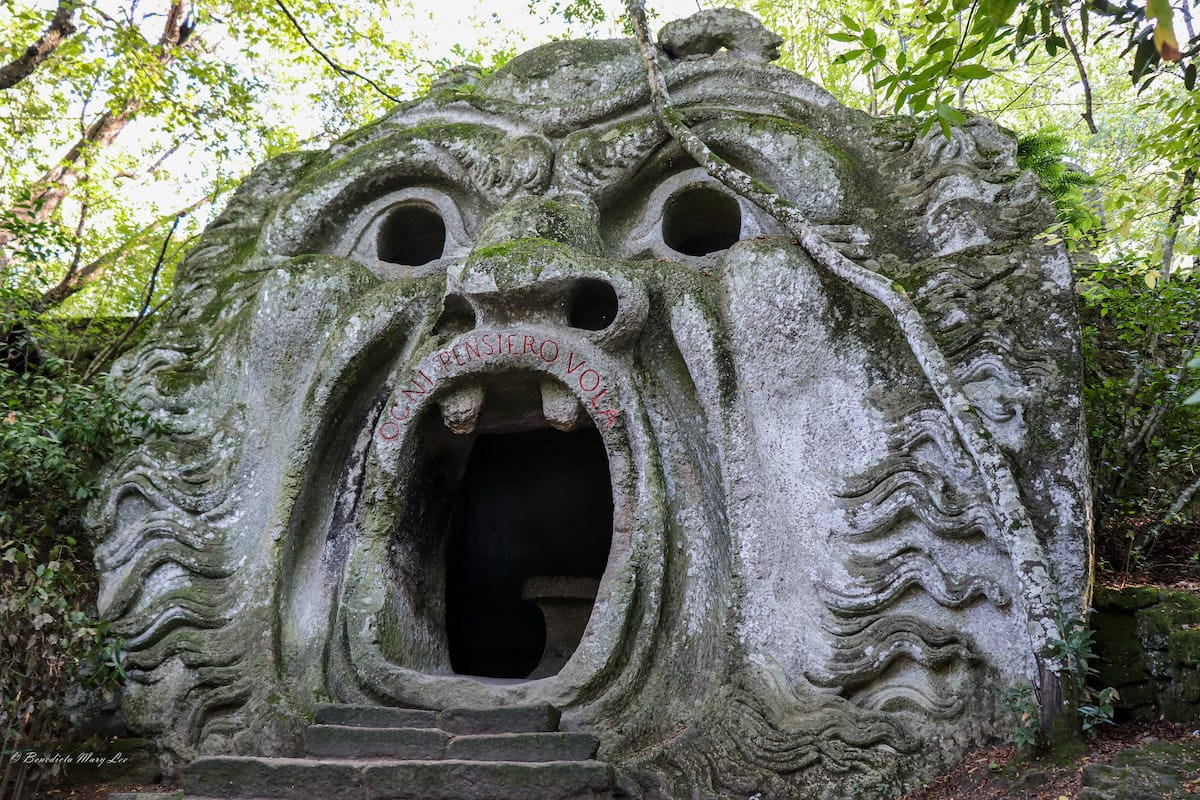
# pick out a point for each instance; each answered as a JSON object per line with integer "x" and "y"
{"x": 998, "y": 772}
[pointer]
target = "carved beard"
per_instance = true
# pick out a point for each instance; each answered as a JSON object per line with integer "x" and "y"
{"x": 790, "y": 555}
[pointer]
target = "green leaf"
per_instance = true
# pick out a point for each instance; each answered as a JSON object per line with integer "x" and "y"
{"x": 1145, "y": 57}
{"x": 1189, "y": 76}
{"x": 998, "y": 11}
{"x": 1193, "y": 400}
{"x": 838, "y": 36}
{"x": 950, "y": 115}
{"x": 944, "y": 43}
{"x": 869, "y": 38}
{"x": 970, "y": 72}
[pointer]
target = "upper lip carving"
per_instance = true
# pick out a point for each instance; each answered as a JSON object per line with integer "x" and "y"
{"x": 577, "y": 379}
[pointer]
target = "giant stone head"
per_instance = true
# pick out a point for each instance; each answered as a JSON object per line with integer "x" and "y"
{"x": 502, "y": 400}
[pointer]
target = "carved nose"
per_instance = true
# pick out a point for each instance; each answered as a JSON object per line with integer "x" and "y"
{"x": 539, "y": 262}
{"x": 569, "y": 220}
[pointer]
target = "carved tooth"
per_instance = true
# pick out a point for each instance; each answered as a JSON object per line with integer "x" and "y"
{"x": 560, "y": 408}
{"x": 460, "y": 408}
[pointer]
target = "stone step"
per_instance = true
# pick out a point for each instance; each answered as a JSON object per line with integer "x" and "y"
{"x": 246, "y": 778}
{"x": 515, "y": 719}
{"x": 375, "y": 716}
{"x": 524, "y": 747}
{"x": 541, "y": 718}
{"x": 339, "y": 741}
{"x": 343, "y": 741}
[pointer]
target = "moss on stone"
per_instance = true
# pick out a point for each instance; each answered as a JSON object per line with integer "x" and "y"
{"x": 515, "y": 251}
{"x": 1148, "y": 640}
{"x": 549, "y": 58}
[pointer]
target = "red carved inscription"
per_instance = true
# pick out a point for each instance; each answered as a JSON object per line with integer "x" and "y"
{"x": 485, "y": 347}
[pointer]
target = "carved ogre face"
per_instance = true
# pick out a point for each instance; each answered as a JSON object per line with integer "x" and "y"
{"x": 502, "y": 399}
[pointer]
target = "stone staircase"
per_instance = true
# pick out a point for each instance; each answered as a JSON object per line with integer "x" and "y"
{"x": 377, "y": 753}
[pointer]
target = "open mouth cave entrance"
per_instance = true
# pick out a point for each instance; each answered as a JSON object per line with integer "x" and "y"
{"x": 527, "y": 543}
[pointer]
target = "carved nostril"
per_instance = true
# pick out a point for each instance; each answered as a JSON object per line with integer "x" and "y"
{"x": 592, "y": 305}
{"x": 457, "y": 316}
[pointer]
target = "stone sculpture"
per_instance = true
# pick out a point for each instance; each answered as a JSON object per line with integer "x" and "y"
{"x": 507, "y": 353}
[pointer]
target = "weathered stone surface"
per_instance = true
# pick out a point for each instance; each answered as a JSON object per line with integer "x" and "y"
{"x": 133, "y": 760}
{"x": 374, "y": 716}
{"x": 510, "y": 331}
{"x": 716, "y": 29}
{"x": 514, "y": 719}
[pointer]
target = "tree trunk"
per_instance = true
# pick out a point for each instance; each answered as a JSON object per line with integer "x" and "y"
{"x": 1183, "y": 204}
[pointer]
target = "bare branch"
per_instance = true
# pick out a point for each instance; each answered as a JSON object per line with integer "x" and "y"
{"x": 1013, "y": 520}
{"x": 1144, "y": 543}
{"x": 77, "y": 254}
{"x": 75, "y": 280}
{"x": 1186, "y": 8}
{"x": 336, "y": 67}
{"x": 1083, "y": 76}
{"x": 1136, "y": 447}
{"x": 143, "y": 312}
{"x": 62, "y": 25}
{"x": 1183, "y": 203}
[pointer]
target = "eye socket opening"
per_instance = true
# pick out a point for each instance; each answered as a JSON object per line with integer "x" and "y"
{"x": 700, "y": 220}
{"x": 411, "y": 235}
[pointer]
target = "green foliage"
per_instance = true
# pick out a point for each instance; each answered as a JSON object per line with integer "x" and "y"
{"x": 921, "y": 55}
{"x": 1045, "y": 154}
{"x": 589, "y": 12}
{"x": 1074, "y": 649}
{"x": 1194, "y": 398}
{"x": 1139, "y": 334}
{"x": 928, "y": 52}
{"x": 185, "y": 121}
{"x": 1023, "y": 704}
{"x": 56, "y": 431}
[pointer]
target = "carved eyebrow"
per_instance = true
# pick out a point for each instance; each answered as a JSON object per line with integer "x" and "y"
{"x": 475, "y": 162}
{"x": 598, "y": 161}
{"x": 501, "y": 169}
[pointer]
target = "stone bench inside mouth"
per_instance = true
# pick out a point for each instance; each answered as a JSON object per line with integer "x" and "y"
{"x": 566, "y": 603}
